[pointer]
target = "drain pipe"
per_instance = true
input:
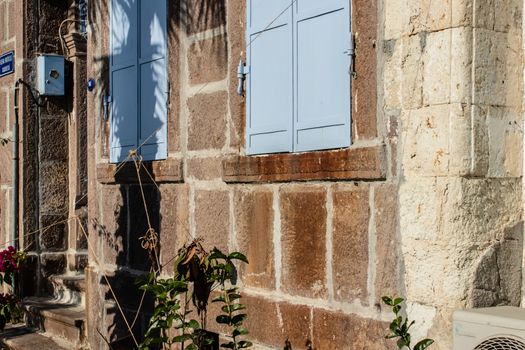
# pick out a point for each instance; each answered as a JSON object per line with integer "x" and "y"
{"x": 15, "y": 209}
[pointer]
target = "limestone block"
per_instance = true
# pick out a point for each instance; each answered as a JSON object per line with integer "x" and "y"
{"x": 441, "y": 329}
{"x": 392, "y": 49}
{"x": 462, "y": 13}
{"x": 508, "y": 15}
{"x": 426, "y": 139}
{"x": 437, "y": 65}
{"x": 505, "y": 132}
{"x": 429, "y": 15}
{"x": 497, "y": 73}
{"x": 412, "y": 71}
{"x": 460, "y": 139}
{"x": 480, "y": 140}
{"x": 397, "y": 18}
{"x": 461, "y": 65}
{"x": 421, "y": 207}
{"x": 484, "y": 11}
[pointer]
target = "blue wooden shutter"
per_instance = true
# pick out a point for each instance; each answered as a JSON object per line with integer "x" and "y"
{"x": 269, "y": 82}
{"x": 322, "y": 79}
{"x": 153, "y": 82}
{"x": 123, "y": 78}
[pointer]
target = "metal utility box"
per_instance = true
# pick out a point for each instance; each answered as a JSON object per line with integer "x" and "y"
{"x": 50, "y": 75}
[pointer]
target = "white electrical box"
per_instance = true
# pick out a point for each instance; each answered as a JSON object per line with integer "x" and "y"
{"x": 50, "y": 75}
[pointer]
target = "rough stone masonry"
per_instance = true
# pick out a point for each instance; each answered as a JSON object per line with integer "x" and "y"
{"x": 426, "y": 203}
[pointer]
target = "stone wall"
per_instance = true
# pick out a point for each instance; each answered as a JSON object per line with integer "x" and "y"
{"x": 453, "y": 81}
{"x": 425, "y": 203}
{"x": 319, "y": 228}
{"x": 10, "y": 39}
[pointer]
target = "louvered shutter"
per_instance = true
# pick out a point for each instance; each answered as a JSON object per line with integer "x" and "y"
{"x": 153, "y": 79}
{"x": 123, "y": 78}
{"x": 322, "y": 80}
{"x": 269, "y": 83}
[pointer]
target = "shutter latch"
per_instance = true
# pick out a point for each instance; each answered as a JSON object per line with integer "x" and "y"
{"x": 242, "y": 71}
{"x": 351, "y": 52}
{"x": 107, "y": 101}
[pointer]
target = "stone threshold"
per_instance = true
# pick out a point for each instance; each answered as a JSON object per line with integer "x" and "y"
{"x": 354, "y": 163}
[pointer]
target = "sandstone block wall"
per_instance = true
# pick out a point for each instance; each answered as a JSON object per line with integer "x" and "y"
{"x": 426, "y": 203}
{"x": 10, "y": 39}
{"x": 319, "y": 228}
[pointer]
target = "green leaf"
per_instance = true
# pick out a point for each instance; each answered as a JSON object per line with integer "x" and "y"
{"x": 219, "y": 298}
{"x": 239, "y": 331}
{"x": 234, "y": 296}
{"x": 181, "y": 338}
{"x": 223, "y": 319}
{"x": 387, "y": 300}
{"x": 194, "y": 324}
{"x": 396, "y": 308}
{"x": 217, "y": 254}
{"x": 243, "y": 344}
{"x": 398, "y": 301}
{"x": 401, "y": 342}
{"x": 422, "y": 345}
{"x": 230, "y": 345}
{"x": 238, "y": 256}
{"x": 237, "y": 319}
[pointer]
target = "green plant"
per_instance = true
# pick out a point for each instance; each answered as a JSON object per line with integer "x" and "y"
{"x": 234, "y": 315}
{"x": 197, "y": 274}
{"x": 400, "y": 327}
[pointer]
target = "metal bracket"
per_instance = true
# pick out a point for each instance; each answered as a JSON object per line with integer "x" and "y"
{"x": 352, "y": 53}
{"x": 107, "y": 101}
{"x": 242, "y": 71}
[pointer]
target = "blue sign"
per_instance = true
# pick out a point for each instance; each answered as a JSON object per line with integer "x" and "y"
{"x": 7, "y": 63}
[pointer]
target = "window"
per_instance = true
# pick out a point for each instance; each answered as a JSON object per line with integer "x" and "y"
{"x": 298, "y": 85}
{"x": 138, "y": 79}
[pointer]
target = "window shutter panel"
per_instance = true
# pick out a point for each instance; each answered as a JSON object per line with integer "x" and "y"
{"x": 322, "y": 80}
{"x": 123, "y": 78}
{"x": 269, "y": 83}
{"x": 153, "y": 82}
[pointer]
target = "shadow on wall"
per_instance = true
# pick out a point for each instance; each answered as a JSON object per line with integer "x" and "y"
{"x": 124, "y": 219}
{"x": 149, "y": 60}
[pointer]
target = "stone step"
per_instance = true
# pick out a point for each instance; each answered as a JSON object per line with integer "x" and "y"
{"x": 69, "y": 289}
{"x": 56, "y": 319}
{"x": 20, "y": 337}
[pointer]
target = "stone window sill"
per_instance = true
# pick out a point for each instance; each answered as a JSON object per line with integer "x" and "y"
{"x": 363, "y": 163}
{"x": 165, "y": 171}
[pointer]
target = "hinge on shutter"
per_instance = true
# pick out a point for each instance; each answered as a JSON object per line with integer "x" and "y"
{"x": 351, "y": 52}
{"x": 242, "y": 71}
{"x": 107, "y": 101}
{"x": 168, "y": 96}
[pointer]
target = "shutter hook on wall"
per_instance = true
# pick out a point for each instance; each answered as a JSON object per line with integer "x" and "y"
{"x": 242, "y": 71}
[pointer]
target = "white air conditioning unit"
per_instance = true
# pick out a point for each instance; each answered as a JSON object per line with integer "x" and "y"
{"x": 495, "y": 328}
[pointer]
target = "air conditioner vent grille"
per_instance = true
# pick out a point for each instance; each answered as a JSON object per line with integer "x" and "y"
{"x": 501, "y": 343}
